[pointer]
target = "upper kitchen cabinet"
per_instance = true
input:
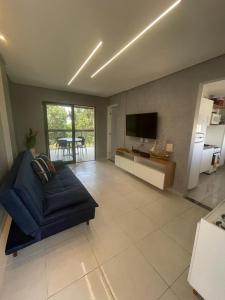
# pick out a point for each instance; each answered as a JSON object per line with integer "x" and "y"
{"x": 205, "y": 113}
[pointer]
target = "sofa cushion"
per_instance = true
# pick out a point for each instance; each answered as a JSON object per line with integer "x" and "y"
{"x": 29, "y": 188}
{"x": 19, "y": 213}
{"x": 41, "y": 169}
{"x": 63, "y": 180}
{"x": 65, "y": 199}
{"x": 58, "y": 164}
{"x": 48, "y": 162}
{"x": 64, "y": 213}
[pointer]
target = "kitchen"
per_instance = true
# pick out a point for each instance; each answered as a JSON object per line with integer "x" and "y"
{"x": 206, "y": 184}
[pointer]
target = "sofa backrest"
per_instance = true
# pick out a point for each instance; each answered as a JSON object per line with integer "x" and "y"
{"x": 29, "y": 188}
{"x": 11, "y": 175}
{"x": 19, "y": 213}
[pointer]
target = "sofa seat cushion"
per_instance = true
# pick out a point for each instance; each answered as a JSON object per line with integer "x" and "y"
{"x": 64, "y": 213}
{"x": 19, "y": 213}
{"x": 64, "y": 199}
{"x": 63, "y": 180}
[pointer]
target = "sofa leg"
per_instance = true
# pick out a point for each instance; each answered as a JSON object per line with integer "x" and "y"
{"x": 15, "y": 254}
{"x": 87, "y": 222}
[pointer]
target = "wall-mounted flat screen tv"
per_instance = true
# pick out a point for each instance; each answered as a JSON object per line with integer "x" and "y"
{"x": 142, "y": 125}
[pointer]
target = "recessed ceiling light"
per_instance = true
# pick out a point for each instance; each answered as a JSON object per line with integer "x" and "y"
{"x": 137, "y": 37}
{"x": 2, "y": 38}
{"x": 86, "y": 61}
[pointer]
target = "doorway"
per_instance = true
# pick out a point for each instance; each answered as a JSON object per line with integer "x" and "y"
{"x": 70, "y": 132}
{"x": 111, "y": 131}
{"x": 207, "y": 167}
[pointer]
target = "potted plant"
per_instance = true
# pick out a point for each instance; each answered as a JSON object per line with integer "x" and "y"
{"x": 30, "y": 140}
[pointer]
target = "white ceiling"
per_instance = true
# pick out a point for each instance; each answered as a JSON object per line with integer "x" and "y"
{"x": 216, "y": 89}
{"x": 48, "y": 40}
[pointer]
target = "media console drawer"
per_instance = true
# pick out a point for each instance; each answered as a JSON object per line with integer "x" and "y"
{"x": 156, "y": 172}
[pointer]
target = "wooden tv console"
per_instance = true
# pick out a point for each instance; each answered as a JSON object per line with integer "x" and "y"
{"x": 157, "y": 172}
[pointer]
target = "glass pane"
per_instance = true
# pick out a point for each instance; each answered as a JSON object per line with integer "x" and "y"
{"x": 84, "y": 133}
{"x": 59, "y": 120}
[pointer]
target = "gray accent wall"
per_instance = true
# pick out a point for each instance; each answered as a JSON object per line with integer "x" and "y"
{"x": 28, "y": 113}
{"x": 176, "y": 99}
{"x": 7, "y": 137}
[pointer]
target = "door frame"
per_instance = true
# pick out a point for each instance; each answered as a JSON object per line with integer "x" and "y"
{"x": 109, "y": 129}
{"x": 199, "y": 96}
{"x": 94, "y": 108}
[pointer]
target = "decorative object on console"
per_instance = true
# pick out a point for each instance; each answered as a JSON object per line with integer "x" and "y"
{"x": 140, "y": 152}
{"x": 123, "y": 149}
{"x": 161, "y": 150}
{"x": 169, "y": 148}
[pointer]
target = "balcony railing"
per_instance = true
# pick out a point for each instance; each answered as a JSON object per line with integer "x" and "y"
{"x": 55, "y": 134}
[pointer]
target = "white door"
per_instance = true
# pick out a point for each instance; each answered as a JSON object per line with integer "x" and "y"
{"x": 111, "y": 131}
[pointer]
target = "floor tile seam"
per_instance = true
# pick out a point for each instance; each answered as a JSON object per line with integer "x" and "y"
{"x": 72, "y": 282}
{"x": 152, "y": 266}
{"x": 169, "y": 285}
{"x": 175, "y": 241}
{"x": 177, "y": 280}
{"x": 100, "y": 269}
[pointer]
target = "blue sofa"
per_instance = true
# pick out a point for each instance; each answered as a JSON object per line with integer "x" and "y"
{"x": 39, "y": 211}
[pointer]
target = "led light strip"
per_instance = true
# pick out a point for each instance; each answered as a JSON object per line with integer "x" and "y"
{"x": 84, "y": 64}
{"x": 136, "y": 37}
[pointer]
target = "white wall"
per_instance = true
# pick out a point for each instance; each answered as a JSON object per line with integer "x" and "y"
{"x": 174, "y": 97}
{"x": 27, "y": 108}
{"x": 7, "y": 138}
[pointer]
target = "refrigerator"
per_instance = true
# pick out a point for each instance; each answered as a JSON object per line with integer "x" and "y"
{"x": 196, "y": 160}
{"x": 204, "y": 117}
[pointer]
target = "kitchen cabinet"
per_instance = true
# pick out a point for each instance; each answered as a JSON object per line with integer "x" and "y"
{"x": 207, "y": 269}
{"x": 205, "y": 113}
{"x": 216, "y": 136}
{"x": 206, "y": 161}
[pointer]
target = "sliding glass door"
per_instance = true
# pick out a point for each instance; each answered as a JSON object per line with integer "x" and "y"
{"x": 84, "y": 118}
{"x": 70, "y": 132}
{"x": 60, "y": 132}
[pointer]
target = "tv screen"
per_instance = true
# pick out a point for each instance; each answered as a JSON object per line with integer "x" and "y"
{"x": 142, "y": 125}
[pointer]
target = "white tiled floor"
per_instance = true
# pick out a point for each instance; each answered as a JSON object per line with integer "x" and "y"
{"x": 210, "y": 190}
{"x": 138, "y": 246}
